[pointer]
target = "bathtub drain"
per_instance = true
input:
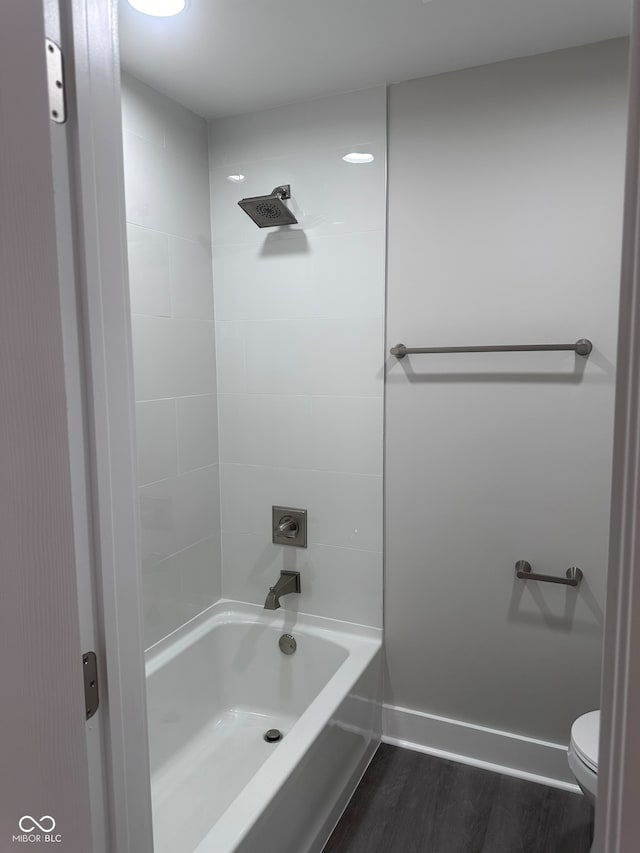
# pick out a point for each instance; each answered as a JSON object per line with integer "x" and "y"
{"x": 273, "y": 735}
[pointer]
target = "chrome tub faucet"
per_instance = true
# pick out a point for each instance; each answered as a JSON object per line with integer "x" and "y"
{"x": 288, "y": 582}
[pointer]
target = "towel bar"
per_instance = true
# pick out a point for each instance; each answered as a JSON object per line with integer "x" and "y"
{"x": 583, "y": 346}
{"x": 524, "y": 571}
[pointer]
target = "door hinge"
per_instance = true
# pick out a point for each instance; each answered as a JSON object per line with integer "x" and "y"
{"x": 90, "y": 674}
{"x": 55, "y": 80}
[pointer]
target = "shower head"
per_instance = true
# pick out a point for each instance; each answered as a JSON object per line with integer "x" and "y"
{"x": 268, "y": 211}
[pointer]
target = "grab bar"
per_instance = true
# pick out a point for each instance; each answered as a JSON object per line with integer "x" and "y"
{"x": 524, "y": 571}
{"x": 583, "y": 346}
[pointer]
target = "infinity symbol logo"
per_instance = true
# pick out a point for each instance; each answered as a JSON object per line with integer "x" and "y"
{"x": 45, "y": 824}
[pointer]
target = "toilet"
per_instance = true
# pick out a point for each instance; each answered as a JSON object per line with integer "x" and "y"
{"x": 583, "y": 753}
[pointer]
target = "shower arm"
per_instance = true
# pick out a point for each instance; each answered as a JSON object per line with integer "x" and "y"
{"x": 283, "y": 191}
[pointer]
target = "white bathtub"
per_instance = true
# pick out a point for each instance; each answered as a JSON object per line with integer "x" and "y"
{"x": 216, "y": 686}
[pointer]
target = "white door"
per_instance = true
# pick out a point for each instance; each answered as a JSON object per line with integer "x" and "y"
{"x": 44, "y": 768}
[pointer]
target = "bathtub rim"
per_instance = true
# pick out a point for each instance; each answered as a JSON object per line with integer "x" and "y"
{"x": 229, "y": 611}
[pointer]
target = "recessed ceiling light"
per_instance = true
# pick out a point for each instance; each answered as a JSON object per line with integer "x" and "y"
{"x": 358, "y": 157}
{"x": 237, "y": 179}
{"x": 159, "y": 8}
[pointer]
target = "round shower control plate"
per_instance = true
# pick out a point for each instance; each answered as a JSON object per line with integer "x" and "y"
{"x": 287, "y": 643}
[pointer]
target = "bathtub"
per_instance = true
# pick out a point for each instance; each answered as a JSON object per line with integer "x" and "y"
{"x": 213, "y": 690}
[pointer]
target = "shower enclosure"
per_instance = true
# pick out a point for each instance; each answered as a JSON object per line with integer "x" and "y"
{"x": 258, "y": 364}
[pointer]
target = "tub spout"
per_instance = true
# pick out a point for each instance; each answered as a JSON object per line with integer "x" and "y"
{"x": 287, "y": 582}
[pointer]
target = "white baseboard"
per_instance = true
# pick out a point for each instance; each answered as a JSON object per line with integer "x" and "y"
{"x": 490, "y": 749}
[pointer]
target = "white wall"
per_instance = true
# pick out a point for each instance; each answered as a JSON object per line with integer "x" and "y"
{"x": 505, "y": 206}
{"x": 169, "y": 235}
{"x": 300, "y": 351}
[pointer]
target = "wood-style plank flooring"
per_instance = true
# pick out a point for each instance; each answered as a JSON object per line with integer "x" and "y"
{"x": 408, "y": 802}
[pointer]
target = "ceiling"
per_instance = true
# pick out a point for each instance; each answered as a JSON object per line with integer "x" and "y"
{"x": 223, "y": 57}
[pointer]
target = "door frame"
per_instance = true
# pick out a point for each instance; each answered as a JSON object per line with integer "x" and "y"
{"x": 101, "y": 209}
{"x": 617, "y": 813}
{"x": 88, "y": 36}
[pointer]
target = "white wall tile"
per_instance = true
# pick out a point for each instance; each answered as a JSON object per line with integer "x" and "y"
{"x": 336, "y": 197}
{"x": 186, "y": 134}
{"x": 153, "y": 357}
{"x": 302, "y": 278}
{"x": 147, "y": 196}
{"x": 231, "y": 358}
{"x": 157, "y": 447}
{"x": 199, "y": 571}
{"x": 179, "y": 588}
{"x": 344, "y": 584}
{"x": 348, "y": 119}
{"x": 178, "y": 512}
{"x": 255, "y": 286}
{"x": 143, "y": 110}
{"x": 163, "y": 610}
{"x": 173, "y": 358}
{"x": 339, "y": 434}
{"x": 197, "y": 419}
{"x": 235, "y": 507}
{"x": 265, "y": 430}
{"x": 194, "y": 365}
{"x": 347, "y": 510}
{"x": 191, "y": 279}
{"x": 163, "y": 190}
{"x": 278, "y": 356}
{"x": 319, "y": 357}
{"x": 347, "y": 357}
{"x": 169, "y": 233}
{"x": 148, "y": 272}
{"x": 346, "y": 435}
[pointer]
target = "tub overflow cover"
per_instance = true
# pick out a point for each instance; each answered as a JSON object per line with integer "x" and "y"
{"x": 287, "y": 643}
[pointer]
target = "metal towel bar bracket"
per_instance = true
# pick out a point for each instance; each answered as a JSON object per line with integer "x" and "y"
{"x": 580, "y": 347}
{"x": 524, "y": 571}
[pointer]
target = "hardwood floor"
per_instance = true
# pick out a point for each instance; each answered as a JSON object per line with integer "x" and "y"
{"x": 408, "y": 802}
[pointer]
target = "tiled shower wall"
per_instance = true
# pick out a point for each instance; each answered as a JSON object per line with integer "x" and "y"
{"x": 300, "y": 339}
{"x": 169, "y": 237}
{"x": 300, "y": 348}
